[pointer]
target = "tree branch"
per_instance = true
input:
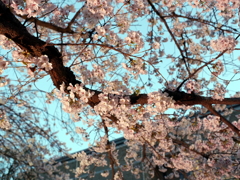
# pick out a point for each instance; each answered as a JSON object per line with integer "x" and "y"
{"x": 172, "y": 35}
{"x": 14, "y": 30}
{"x": 48, "y": 25}
{"x": 74, "y": 17}
{"x": 223, "y": 119}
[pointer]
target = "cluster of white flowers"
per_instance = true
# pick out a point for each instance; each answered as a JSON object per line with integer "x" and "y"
{"x": 218, "y": 68}
{"x": 192, "y": 86}
{"x": 156, "y": 45}
{"x": 70, "y": 105}
{"x": 227, "y": 4}
{"x": 97, "y": 74}
{"x": 182, "y": 162}
{"x": 135, "y": 40}
{"x": 138, "y": 7}
{"x": 212, "y": 123}
{"x": 29, "y": 7}
{"x": 221, "y": 5}
{"x": 136, "y": 67}
{"x": 119, "y": 1}
{"x": 105, "y": 173}
{"x": 6, "y": 43}
{"x": 219, "y": 92}
{"x": 43, "y": 62}
{"x": 224, "y": 43}
{"x": 32, "y": 62}
{"x": 4, "y": 124}
{"x": 101, "y": 31}
{"x": 86, "y": 54}
{"x": 118, "y": 176}
{"x": 168, "y": 3}
{"x": 161, "y": 101}
{"x": 106, "y": 105}
{"x": 123, "y": 23}
{"x": 87, "y": 160}
{"x": 96, "y": 10}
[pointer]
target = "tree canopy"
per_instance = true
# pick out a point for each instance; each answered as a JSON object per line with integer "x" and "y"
{"x": 162, "y": 73}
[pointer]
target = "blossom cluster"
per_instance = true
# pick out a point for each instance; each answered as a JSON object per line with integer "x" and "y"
{"x": 221, "y": 5}
{"x": 135, "y": 67}
{"x": 6, "y": 43}
{"x": 138, "y": 7}
{"x": 30, "y": 62}
{"x": 225, "y": 4}
{"x": 87, "y": 160}
{"x": 134, "y": 40}
{"x": 31, "y": 8}
{"x": 156, "y": 45}
{"x": 192, "y": 86}
{"x": 212, "y": 123}
{"x": 218, "y": 68}
{"x": 123, "y": 23}
{"x": 4, "y": 124}
{"x": 96, "y": 10}
{"x": 76, "y": 100}
{"x": 161, "y": 101}
{"x": 86, "y": 54}
{"x": 101, "y": 31}
{"x": 219, "y": 92}
{"x": 181, "y": 162}
{"x": 58, "y": 13}
{"x": 224, "y": 43}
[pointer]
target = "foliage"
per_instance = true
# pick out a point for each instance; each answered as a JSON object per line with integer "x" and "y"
{"x": 160, "y": 72}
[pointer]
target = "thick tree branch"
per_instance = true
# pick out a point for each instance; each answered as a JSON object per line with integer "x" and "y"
{"x": 14, "y": 30}
{"x": 183, "y": 98}
{"x": 48, "y": 25}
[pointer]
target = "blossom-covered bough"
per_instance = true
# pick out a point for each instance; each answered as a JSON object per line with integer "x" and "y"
{"x": 185, "y": 59}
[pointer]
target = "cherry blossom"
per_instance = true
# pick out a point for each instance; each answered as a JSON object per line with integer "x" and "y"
{"x": 224, "y": 43}
{"x": 163, "y": 74}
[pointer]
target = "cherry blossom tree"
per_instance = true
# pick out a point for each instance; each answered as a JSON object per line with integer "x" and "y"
{"x": 160, "y": 72}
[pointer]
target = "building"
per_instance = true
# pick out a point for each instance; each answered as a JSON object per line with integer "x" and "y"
{"x": 69, "y": 165}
